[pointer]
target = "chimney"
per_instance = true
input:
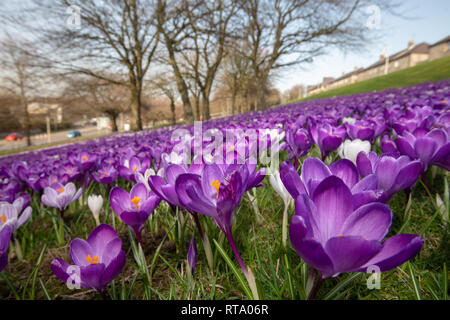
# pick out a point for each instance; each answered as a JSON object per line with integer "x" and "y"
{"x": 410, "y": 44}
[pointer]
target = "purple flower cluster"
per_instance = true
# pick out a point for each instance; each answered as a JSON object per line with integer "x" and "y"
{"x": 341, "y": 206}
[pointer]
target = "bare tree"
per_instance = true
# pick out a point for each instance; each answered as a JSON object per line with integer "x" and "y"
{"x": 167, "y": 86}
{"x": 283, "y": 33}
{"x": 19, "y": 75}
{"x": 116, "y": 36}
{"x": 102, "y": 96}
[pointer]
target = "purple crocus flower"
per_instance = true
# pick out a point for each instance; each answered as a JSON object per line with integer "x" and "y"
{"x": 60, "y": 196}
{"x": 332, "y": 237}
{"x": 314, "y": 171}
{"x": 132, "y": 166}
{"x": 299, "y": 142}
{"x": 327, "y": 137}
{"x": 192, "y": 255}
{"x": 84, "y": 160}
{"x": 5, "y": 238}
{"x": 393, "y": 174}
{"x": 431, "y": 148}
{"x": 99, "y": 259}
{"x": 135, "y": 207}
{"x": 106, "y": 174}
{"x": 362, "y": 129}
{"x": 216, "y": 194}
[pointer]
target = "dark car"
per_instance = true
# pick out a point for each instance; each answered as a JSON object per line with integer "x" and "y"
{"x": 73, "y": 134}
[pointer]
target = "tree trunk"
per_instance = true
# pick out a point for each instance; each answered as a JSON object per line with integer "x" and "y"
{"x": 114, "y": 122}
{"x": 26, "y": 116}
{"x": 136, "y": 108}
{"x": 172, "y": 108}
{"x": 205, "y": 107}
{"x": 261, "y": 98}
{"x": 233, "y": 98}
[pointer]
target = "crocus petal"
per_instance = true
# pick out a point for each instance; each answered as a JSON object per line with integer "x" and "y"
{"x": 371, "y": 221}
{"x": 405, "y": 147}
{"x": 79, "y": 250}
{"x": 26, "y": 214}
{"x": 139, "y": 190}
{"x": 346, "y": 170}
{"x": 59, "y": 268}
{"x": 113, "y": 269}
{"x": 407, "y": 176}
{"x": 309, "y": 250}
{"x": 333, "y": 200}
{"x": 100, "y": 236}
{"x": 425, "y": 149}
{"x": 291, "y": 180}
{"x": 313, "y": 170}
{"x": 189, "y": 187}
{"x": 90, "y": 276}
{"x": 396, "y": 250}
{"x": 350, "y": 252}
{"x": 119, "y": 200}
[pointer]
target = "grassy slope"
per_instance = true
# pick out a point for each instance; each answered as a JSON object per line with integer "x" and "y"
{"x": 428, "y": 71}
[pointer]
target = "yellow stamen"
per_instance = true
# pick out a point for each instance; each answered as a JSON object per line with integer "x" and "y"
{"x": 3, "y": 218}
{"x": 105, "y": 173}
{"x": 444, "y": 101}
{"x": 61, "y": 190}
{"x": 232, "y": 148}
{"x": 92, "y": 260}
{"x": 83, "y": 158}
{"x": 216, "y": 185}
{"x": 360, "y": 127}
{"x": 339, "y": 235}
{"x": 54, "y": 180}
{"x": 68, "y": 171}
{"x": 136, "y": 201}
{"x": 135, "y": 169}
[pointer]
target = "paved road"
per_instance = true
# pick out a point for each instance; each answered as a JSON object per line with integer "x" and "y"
{"x": 55, "y": 137}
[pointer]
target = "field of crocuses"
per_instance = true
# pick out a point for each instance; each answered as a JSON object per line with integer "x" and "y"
{"x": 341, "y": 198}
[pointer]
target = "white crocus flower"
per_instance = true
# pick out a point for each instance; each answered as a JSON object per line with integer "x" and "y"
{"x": 95, "y": 204}
{"x": 349, "y": 120}
{"x": 143, "y": 178}
{"x": 12, "y": 214}
{"x": 349, "y": 149}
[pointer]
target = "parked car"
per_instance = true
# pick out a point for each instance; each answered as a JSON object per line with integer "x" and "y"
{"x": 14, "y": 137}
{"x": 73, "y": 134}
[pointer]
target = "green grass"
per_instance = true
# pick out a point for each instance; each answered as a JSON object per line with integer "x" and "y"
{"x": 428, "y": 71}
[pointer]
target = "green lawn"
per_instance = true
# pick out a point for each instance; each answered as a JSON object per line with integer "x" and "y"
{"x": 428, "y": 71}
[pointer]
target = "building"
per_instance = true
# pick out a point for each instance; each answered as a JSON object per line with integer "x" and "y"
{"x": 411, "y": 56}
{"x": 440, "y": 49}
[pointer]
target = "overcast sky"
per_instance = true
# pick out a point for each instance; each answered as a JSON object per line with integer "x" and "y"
{"x": 430, "y": 24}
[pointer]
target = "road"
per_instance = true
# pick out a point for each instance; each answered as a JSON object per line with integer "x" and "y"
{"x": 41, "y": 139}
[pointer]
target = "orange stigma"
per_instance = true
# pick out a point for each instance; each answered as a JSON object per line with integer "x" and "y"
{"x": 83, "y": 158}
{"x": 216, "y": 185}
{"x": 339, "y": 235}
{"x": 136, "y": 201}
{"x": 92, "y": 260}
{"x": 135, "y": 168}
{"x": 3, "y": 219}
{"x": 68, "y": 171}
{"x": 60, "y": 190}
